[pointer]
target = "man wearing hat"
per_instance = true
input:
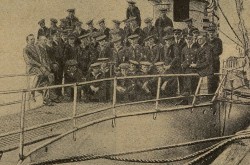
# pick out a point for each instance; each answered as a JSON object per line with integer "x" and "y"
{"x": 104, "y": 48}
{"x": 153, "y": 52}
{"x": 71, "y": 48}
{"x": 149, "y": 29}
{"x": 71, "y": 18}
{"x": 135, "y": 29}
{"x": 178, "y": 40}
{"x": 217, "y": 49}
{"x": 123, "y": 85}
{"x": 53, "y": 26}
{"x": 190, "y": 27}
{"x": 134, "y": 83}
{"x": 195, "y": 33}
{"x": 63, "y": 24}
{"x": 119, "y": 52}
{"x": 91, "y": 27}
{"x": 117, "y": 31}
{"x": 133, "y": 11}
{"x": 96, "y": 91}
{"x": 171, "y": 55}
{"x": 163, "y": 22}
{"x": 127, "y": 32}
{"x": 135, "y": 50}
{"x": 189, "y": 57}
{"x": 103, "y": 29}
{"x": 204, "y": 64}
{"x": 43, "y": 30}
{"x": 79, "y": 31}
{"x": 168, "y": 85}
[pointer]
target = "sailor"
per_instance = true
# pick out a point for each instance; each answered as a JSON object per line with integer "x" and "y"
{"x": 103, "y": 29}
{"x": 133, "y": 11}
{"x": 91, "y": 27}
{"x": 94, "y": 47}
{"x": 168, "y": 86}
{"x": 70, "y": 51}
{"x": 43, "y": 30}
{"x": 190, "y": 27}
{"x": 117, "y": 31}
{"x": 84, "y": 53}
{"x": 146, "y": 85}
{"x": 217, "y": 49}
{"x": 195, "y": 33}
{"x": 63, "y": 24}
{"x": 153, "y": 52}
{"x": 123, "y": 85}
{"x": 127, "y": 32}
{"x": 135, "y": 50}
{"x": 72, "y": 75}
{"x": 171, "y": 55}
{"x": 135, "y": 29}
{"x": 163, "y": 22}
{"x": 204, "y": 64}
{"x": 53, "y": 26}
{"x": 71, "y": 18}
{"x": 134, "y": 83}
{"x": 95, "y": 92}
{"x": 79, "y": 31}
{"x": 64, "y": 37}
{"x": 120, "y": 53}
{"x": 189, "y": 57}
{"x": 178, "y": 40}
{"x": 149, "y": 29}
{"x": 104, "y": 48}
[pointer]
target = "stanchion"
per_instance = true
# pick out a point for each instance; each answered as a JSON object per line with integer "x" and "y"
{"x": 21, "y": 145}
{"x": 114, "y": 102}
{"x": 74, "y": 110}
{"x": 196, "y": 93}
{"x": 157, "y": 97}
{"x": 178, "y": 86}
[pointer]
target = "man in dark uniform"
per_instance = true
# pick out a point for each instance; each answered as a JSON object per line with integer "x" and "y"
{"x": 162, "y": 23}
{"x": 104, "y": 48}
{"x": 127, "y": 32}
{"x": 189, "y": 57}
{"x": 72, "y": 75}
{"x": 149, "y": 29}
{"x": 153, "y": 52}
{"x": 53, "y": 27}
{"x": 189, "y": 27}
{"x": 178, "y": 40}
{"x": 79, "y": 31}
{"x": 103, "y": 29}
{"x": 134, "y": 87}
{"x": 84, "y": 53}
{"x": 71, "y": 18}
{"x": 217, "y": 49}
{"x": 135, "y": 29}
{"x": 133, "y": 11}
{"x": 43, "y": 31}
{"x": 119, "y": 53}
{"x": 135, "y": 50}
{"x": 63, "y": 24}
{"x": 117, "y": 31}
{"x": 171, "y": 55}
{"x": 204, "y": 65}
{"x": 96, "y": 91}
{"x": 196, "y": 33}
{"x": 91, "y": 27}
{"x": 71, "y": 48}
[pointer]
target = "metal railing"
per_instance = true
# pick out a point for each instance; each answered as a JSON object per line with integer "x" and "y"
{"x": 113, "y": 107}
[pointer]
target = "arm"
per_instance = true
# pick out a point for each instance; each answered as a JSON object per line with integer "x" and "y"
{"x": 29, "y": 60}
{"x": 207, "y": 59}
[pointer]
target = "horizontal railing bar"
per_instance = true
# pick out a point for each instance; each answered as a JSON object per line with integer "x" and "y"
{"x": 138, "y": 102}
{"x": 16, "y": 75}
{"x": 90, "y": 113}
{"x": 106, "y": 119}
{"x": 10, "y": 103}
{"x": 100, "y": 80}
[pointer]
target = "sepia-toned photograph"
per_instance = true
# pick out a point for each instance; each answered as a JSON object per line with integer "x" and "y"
{"x": 124, "y": 82}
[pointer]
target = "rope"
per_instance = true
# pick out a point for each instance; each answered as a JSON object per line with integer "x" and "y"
{"x": 230, "y": 38}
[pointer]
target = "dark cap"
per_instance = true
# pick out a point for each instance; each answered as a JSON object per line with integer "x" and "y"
{"x": 78, "y": 23}
{"x": 101, "y": 21}
{"x": 211, "y": 29}
{"x": 149, "y": 37}
{"x": 164, "y": 10}
{"x": 71, "y": 36}
{"x": 195, "y": 30}
{"x": 41, "y": 21}
{"x": 133, "y": 62}
{"x": 53, "y": 20}
{"x": 71, "y": 63}
{"x": 116, "y": 22}
{"x": 168, "y": 37}
{"x": 90, "y": 22}
{"x": 131, "y": 2}
{"x": 71, "y": 10}
{"x": 148, "y": 20}
{"x": 177, "y": 30}
{"x": 101, "y": 38}
{"x": 134, "y": 36}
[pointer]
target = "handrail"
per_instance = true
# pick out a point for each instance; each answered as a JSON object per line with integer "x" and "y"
{"x": 16, "y": 75}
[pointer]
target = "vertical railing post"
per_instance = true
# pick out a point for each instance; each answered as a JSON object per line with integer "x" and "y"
{"x": 196, "y": 93}
{"x": 63, "y": 82}
{"x": 28, "y": 88}
{"x": 74, "y": 110}
{"x": 157, "y": 96}
{"x": 178, "y": 86}
{"x": 114, "y": 101}
{"x": 22, "y": 117}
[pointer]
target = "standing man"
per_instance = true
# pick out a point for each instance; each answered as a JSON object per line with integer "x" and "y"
{"x": 43, "y": 31}
{"x": 71, "y": 48}
{"x": 162, "y": 23}
{"x": 135, "y": 29}
{"x": 103, "y": 29}
{"x": 53, "y": 27}
{"x": 149, "y": 29}
{"x": 178, "y": 40}
{"x": 117, "y": 31}
{"x": 63, "y": 24}
{"x": 190, "y": 27}
{"x": 79, "y": 31}
{"x": 71, "y": 18}
{"x": 153, "y": 52}
{"x": 104, "y": 48}
{"x": 135, "y": 50}
{"x": 119, "y": 52}
{"x": 217, "y": 49}
{"x": 91, "y": 27}
{"x": 133, "y": 11}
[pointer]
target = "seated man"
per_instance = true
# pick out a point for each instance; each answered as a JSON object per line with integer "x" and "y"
{"x": 133, "y": 71}
{"x": 72, "y": 75}
{"x": 95, "y": 91}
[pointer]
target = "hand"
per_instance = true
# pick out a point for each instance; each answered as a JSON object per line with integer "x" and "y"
{"x": 120, "y": 89}
{"x": 167, "y": 67}
{"x": 92, "y": 87}
{"x": 193, "y": 65}
{"x": 163, "y": 87}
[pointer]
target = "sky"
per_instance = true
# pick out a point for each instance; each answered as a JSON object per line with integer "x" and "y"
{"x": 19, "y": 18}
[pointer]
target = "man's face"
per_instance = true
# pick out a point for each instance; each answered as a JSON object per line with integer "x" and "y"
{"x": 96, "y": 70}
{"x": 177, "y": 36}
{"x": 104, "y": 65}
{"x": 130, "y": 5}
{"x": 71, "y": 41}
{"x": 151, "y": 41}
{"x": 102, "y": 25}
{"x": 84, "y": 42}
{"x": 91, "y": 26}
{"x": 149, "y": 24}
{"x": 117, "y": 44}
{"x": 189, "y": 24}
{"x": 196, "y": 34}
{"x": 189, "y": 40}
{"x": 133, "y": 41}
{"x": 145, "y": 68}
{"x": 116, "y": 26}
{"x": 43, "y": 40}
{"x": 124, "y": 72}
{"x": 169, "y": 42}
{"x": 72, "y": 69}
{"x": 163, "y": 15}
{"x": 201, "y": 40}
{"x": 31, "y": 40}
{"x": 132, "y": 66}
{"x": 102, "y": 42}
{"x": 160, "y": 69}
{"x": 42, "y": 25}
{"x": 211, "y": 35}
{"x": 71, "y": 14}
{"x": 52, "y": 24}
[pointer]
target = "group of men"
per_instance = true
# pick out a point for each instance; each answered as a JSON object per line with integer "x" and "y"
{"x": 68, "y": 51}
